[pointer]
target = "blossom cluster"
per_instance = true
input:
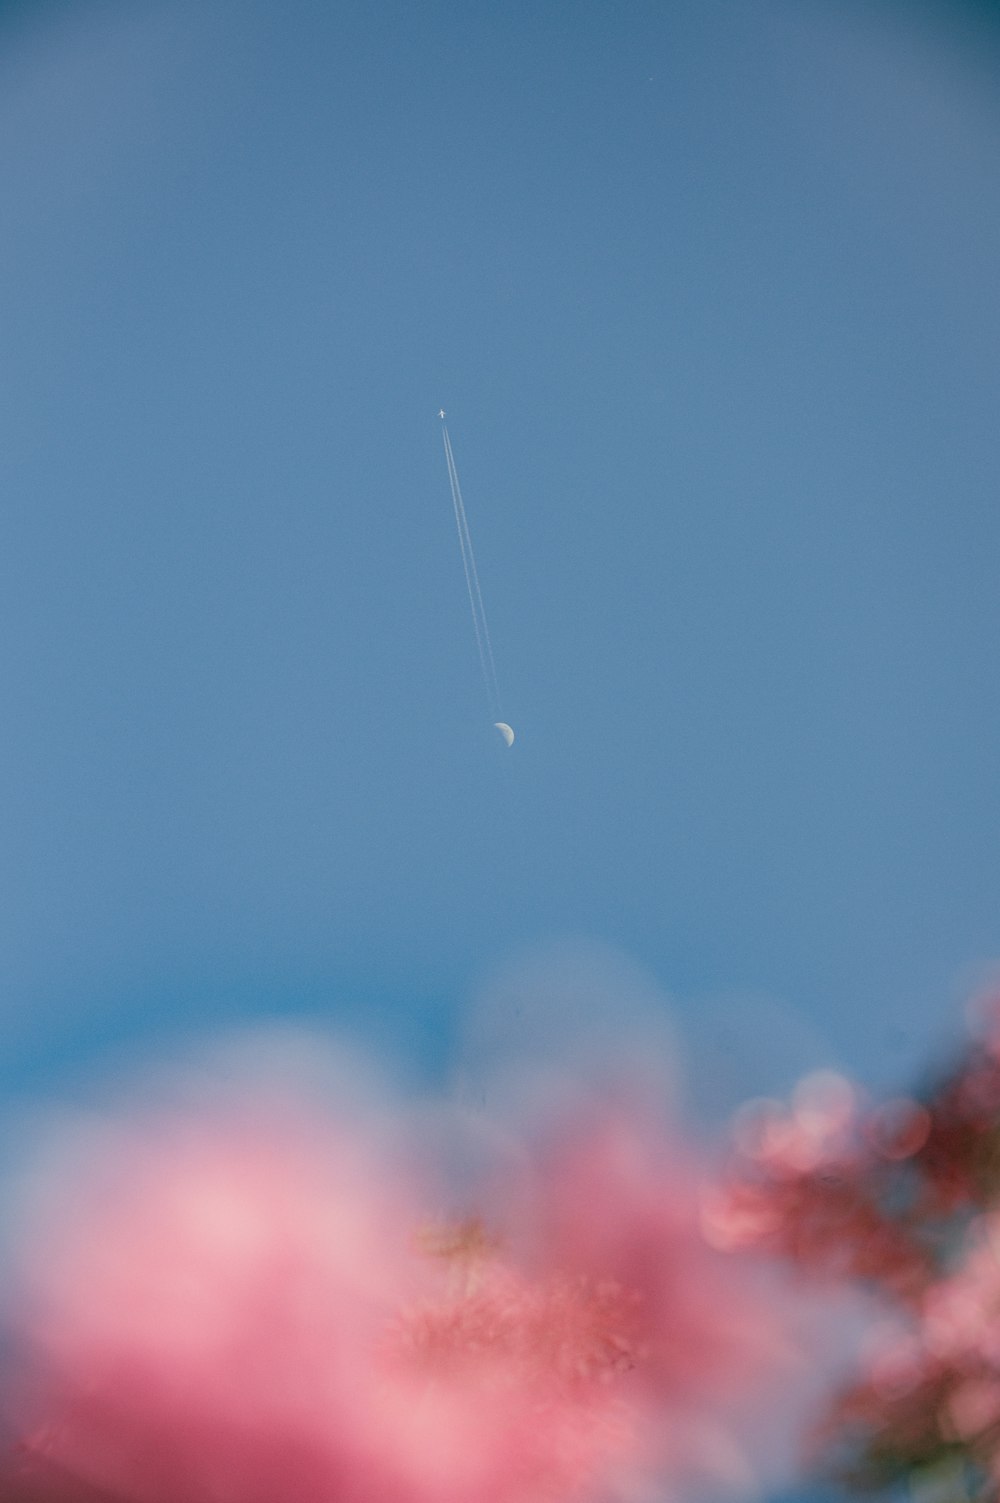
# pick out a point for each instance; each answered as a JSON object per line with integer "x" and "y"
{"x": 265, "y": 1295}
{"x": 260, "y": 1301}
{"x": 902, "y": 1199}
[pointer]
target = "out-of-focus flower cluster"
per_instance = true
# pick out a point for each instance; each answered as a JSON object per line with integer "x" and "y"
{"x": 269, "y": 1296}
{"x": 259, "y": 1302}
{"x": 903, "y": 1199}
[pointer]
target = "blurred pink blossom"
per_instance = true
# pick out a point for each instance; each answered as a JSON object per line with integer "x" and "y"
{"x": 246, "y": 1306}
{"x": 618, "y": 1207}
{"x": 200, "y": 1323}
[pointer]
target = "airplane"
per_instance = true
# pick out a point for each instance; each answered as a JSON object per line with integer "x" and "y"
{"x": 441, "y": 413}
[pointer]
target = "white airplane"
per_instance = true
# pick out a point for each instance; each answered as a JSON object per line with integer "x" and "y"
{"x": 441, "y": 413}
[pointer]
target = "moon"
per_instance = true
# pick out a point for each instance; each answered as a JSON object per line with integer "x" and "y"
{"x": 505, "y": 731}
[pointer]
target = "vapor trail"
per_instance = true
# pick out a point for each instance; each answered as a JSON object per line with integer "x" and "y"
{"x": 483, "y": 642}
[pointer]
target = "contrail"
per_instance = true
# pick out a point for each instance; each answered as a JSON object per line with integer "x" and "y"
{"x": 483, "y": 642}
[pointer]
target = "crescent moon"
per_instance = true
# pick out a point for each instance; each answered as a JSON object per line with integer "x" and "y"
{"x": 505, "y": 731}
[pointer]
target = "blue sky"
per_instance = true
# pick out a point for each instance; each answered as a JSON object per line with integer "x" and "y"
{"x": 709, "y": 294}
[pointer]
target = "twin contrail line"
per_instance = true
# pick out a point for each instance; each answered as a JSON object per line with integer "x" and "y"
{"x": 483, "y": 643}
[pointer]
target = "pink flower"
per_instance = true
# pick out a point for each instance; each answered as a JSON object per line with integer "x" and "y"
{"x": 693, "y": 1339}
{"x": 813, "y": 1181}
{"x": 974, "y": 1407}
{"x": 201, "y": 1325}
{"x": 252, "y": 1306}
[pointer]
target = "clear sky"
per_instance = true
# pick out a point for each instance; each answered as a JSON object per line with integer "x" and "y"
{"x": 709, "y": 292}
